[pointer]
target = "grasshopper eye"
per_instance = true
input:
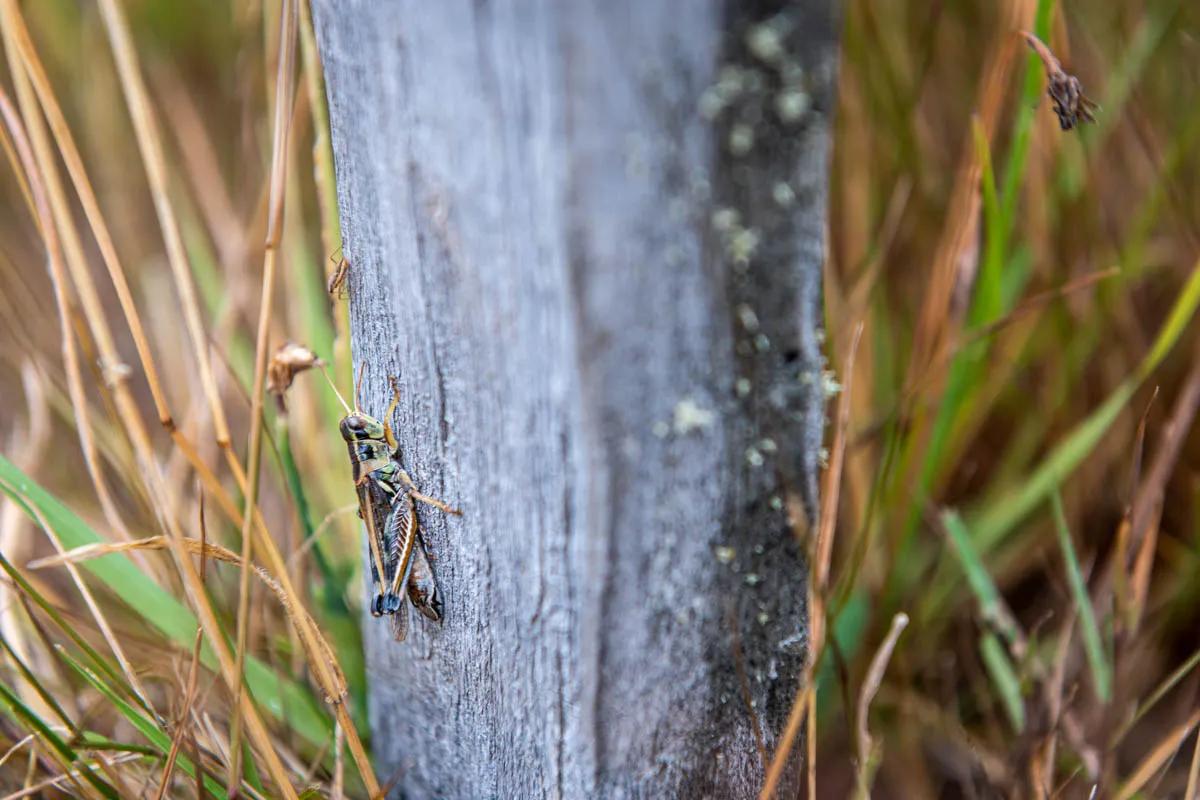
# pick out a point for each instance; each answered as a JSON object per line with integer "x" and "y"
{"x": 353, "y": 427}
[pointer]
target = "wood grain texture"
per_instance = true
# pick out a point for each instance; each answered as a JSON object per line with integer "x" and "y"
{"x": 586, "y": 235}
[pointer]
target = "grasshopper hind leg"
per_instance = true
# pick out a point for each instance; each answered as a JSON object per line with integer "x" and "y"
{"x": 377, "y": 604}
{"x": 422, "y": 585}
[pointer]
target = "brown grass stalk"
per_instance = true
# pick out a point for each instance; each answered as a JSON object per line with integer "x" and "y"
{"x": 284, "y": 96}
{"x": 1147, "y": 503}
{"x": 19, "y": 38}
{"x": 56, "y": 212}
{"x": 870, "y": 687}
{"x": 15, "y": 24}
{"x": 821, "y": 555}
{"x": 1193, "y": 784}
{"x": 87, "y": 196}
{"x": 56, "y": 782}
{"x": 54, "y": 257}
{"x": 130, "y": 416}
{"x": 1159, "y": 755}
{"x": 296, "y": 614}
{"x": 150, "y": 144}
{"x": 27, "y": 452}
{"x": 89, "y": 599}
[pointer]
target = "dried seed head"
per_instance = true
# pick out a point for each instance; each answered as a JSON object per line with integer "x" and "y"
{"x": 1065, "y": 90}
{"x": 289, "y": 359}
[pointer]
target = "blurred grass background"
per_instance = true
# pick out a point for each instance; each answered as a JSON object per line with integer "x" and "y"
{"x": 1019, "y": 473}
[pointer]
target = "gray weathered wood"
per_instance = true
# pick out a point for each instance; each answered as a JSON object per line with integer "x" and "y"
{"x": 587, "y": 237}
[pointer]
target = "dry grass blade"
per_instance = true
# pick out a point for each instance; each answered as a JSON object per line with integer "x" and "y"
{"x": 283, "y": 115}
{"x": 150, "y": 144}
{"x": 106, "y": 630}
{"x": 958, "y": 238}
{"x": 189, "y": 692}
{"x": 1148, "y": 500}
{"x": 189, "y": 697}
{"x": 28, "y": 450}
{"x": 786, "y": 741}
{"x": 1157, "y": 757}
{"x": 821, "y": 554}
{"x": 1043, "y": 759}
{"x": 829, "y": 503}
{"x": 54, "y": 257}
{"x": 56, "y": 222}
{"x": 869, "y": 689}
{"x": 71, "y": 158}
{"x": 339, "y": 767}
{"x": 323, "y": 526}
{"x": 1193, "y": 784}
{"x": 56, "y": 782}
{"x": 296, "y": 614}
{"x": 87, "y": 196}
{"x": 130, "y": 416}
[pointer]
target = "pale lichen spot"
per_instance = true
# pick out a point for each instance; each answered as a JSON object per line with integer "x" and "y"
{"x": 661, "y": 429}
{"x": 742, "y": 245}
{"x": 711, "y": 103}
{"x": 753, "y": 579}
{"x": 725, "y": 219}
{"x": 747, "y": 317}
{"x": 725, "y": 555}
{"x": 754, "y": 457}
{"x": 741, "y": 139}
{"x": 829, "y": 383}
{"x": 763, "y": 618}
{"x": 783, "y": 194}
{"x": 691, "y": 416}
{"x": 766, "y": 43}
{"x": 792, "y": 105}
{"x": 743, "y": 387}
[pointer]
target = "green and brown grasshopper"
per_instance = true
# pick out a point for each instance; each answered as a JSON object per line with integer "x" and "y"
{"x": 387, "y": 500}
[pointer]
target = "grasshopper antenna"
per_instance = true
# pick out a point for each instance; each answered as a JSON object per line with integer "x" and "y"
{"x": 358, "y": 386}
{"x": 329, "y": 380}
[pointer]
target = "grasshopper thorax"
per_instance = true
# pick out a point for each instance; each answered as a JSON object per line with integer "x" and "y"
{"x": 357, "y": 426}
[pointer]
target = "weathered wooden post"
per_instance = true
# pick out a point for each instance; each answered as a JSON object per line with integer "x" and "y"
{"x": 587, "y": 237}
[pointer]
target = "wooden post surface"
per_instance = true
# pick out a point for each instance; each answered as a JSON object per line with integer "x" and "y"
{"x": 587, "y": 237}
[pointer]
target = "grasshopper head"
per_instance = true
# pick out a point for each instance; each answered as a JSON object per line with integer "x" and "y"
{"x": 357, "y": 426}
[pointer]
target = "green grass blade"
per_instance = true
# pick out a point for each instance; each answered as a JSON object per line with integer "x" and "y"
{"x": 33, "y": 681}
{"x": 978, "y": 578}
{"x": 1093, "y": 644}
{"x": 282, "y": 697}
{"x": 144, "y": 726}
{"x": 988, "y": 301}
{"x": 1004, "y": 678}
{"x": 1001, "y": 516}
{"x": 31, "y": 593}
{"x": 61, "y": 748}
{"x": 1031, "y": 91}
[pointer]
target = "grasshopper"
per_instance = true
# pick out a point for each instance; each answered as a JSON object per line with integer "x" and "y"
{"x": 387, "y": 500}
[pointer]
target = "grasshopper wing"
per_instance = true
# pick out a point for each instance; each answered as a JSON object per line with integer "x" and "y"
{"x": 422, "y": 586}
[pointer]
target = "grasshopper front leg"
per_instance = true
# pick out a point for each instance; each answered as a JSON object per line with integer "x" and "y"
{"x": 392, "y": 443}
{"x": 424, "y": 498}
